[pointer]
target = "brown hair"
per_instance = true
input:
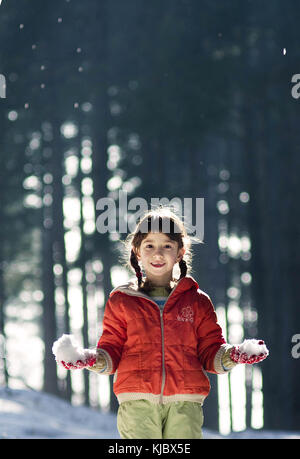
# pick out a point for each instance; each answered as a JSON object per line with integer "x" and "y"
{"x": 161, "y": 220}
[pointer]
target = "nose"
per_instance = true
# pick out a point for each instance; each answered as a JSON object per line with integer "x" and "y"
{"x": 158, "y": 253}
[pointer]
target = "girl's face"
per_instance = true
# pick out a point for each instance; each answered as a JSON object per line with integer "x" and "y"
{"x": 158, "y": 255}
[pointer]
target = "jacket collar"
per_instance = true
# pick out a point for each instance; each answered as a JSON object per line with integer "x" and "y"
{"x": 131, "y": 287}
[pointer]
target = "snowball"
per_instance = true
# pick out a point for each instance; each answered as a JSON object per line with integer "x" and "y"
{"x": 68, "y": 350}
{"x": 252, "y": 347}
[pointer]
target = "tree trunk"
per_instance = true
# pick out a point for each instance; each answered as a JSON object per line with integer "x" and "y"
{"x": 49, "y": 318}
{"x": 58, "y": 234}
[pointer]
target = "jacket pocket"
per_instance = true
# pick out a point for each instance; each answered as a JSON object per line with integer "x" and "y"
{"x": 129, "y": 372}
{"x": 194, "y": 375}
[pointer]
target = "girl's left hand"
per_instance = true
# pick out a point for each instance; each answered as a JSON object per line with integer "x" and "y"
{"x": 79, "y": 364}
{"x": 250, "y": 351}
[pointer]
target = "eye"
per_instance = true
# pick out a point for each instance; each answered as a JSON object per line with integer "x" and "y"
{"x": 148, "y": 246}
{"x": 168, "y": 246}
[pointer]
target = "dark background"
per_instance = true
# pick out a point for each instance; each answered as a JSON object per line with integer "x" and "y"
{"x": 197, "y": 97}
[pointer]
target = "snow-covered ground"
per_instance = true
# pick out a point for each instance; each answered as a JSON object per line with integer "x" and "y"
{"x": 27, "y": 414}
{"x": 32, "y": 414}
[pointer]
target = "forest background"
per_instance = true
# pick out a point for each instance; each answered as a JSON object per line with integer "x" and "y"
{"x": 173, "y": 98}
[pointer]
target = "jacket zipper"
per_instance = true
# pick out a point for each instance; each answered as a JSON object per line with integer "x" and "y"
{"x": 163, "y": 357}
{"x": 161, "y": 311}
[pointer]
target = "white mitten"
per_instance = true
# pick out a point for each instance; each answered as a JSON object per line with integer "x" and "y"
{"x": 250, "y": 351}
{"x": 70, "y": 355}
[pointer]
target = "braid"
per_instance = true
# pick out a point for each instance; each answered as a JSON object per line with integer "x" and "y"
{"x": 135, "y": 264}
{"x": 183, "y": 268}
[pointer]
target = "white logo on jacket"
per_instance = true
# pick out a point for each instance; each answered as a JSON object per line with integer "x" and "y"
{"x": 186, "y": 314}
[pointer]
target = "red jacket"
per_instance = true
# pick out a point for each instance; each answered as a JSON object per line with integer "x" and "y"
{"x": 158, "y": 355}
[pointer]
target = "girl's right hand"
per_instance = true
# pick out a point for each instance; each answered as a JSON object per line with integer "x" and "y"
{"x": 79, "y": 364}
{"x": 71, "y": 356}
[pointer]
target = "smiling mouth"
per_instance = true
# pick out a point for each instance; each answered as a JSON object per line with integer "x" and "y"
{"x": 157, "y": 265}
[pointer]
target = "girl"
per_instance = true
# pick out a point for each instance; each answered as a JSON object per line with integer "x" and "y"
{"x": 160, "y": 337}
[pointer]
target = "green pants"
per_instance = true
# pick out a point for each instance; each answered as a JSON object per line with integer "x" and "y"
{"x": 142, "y": 419}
